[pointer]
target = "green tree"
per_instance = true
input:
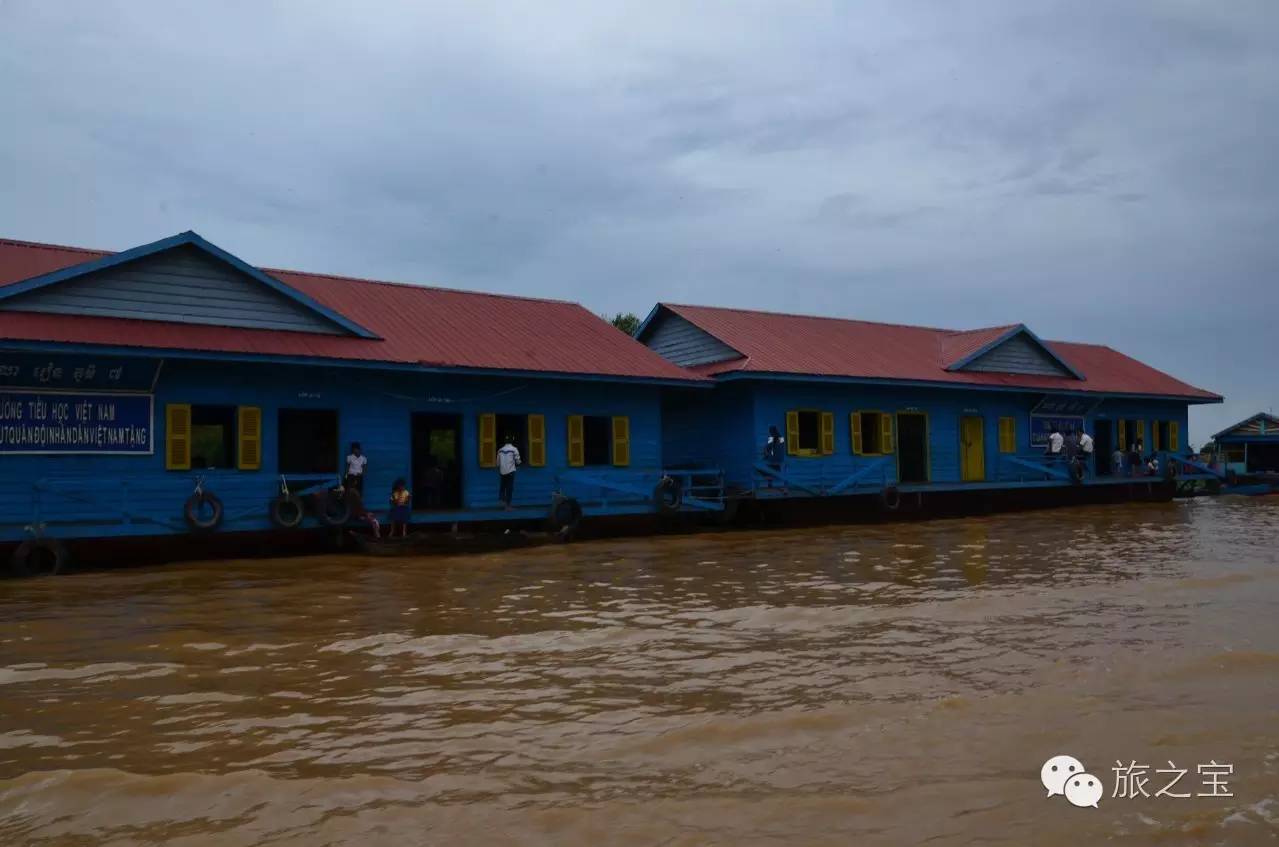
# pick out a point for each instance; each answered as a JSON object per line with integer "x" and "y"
{"x": 627, "y": 322}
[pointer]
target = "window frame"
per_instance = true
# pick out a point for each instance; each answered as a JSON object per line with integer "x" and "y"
{"x": 816, "y": 449}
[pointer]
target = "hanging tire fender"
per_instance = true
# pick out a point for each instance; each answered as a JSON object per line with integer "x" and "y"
{"x": 565, "y": 514}
{"x": 191, "y": 510}
{"x": 39, "y": 557}
{"x": 891, "y": 498}
{"x": 668, "y": 495}
{"x": 287, "y": 511}
{"x": 332, "y": 508}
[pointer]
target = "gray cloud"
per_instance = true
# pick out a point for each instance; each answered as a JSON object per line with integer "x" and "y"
{"x": 1102, "y": 172}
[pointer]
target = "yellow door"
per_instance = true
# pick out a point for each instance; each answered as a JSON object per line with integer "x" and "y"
{"x": 972, "y": 449}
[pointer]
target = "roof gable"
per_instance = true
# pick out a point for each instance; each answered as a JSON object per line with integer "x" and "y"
{"x": 183, "y": 279}
{"x": 1259, "y": 425}
{"x": 678, "y": 340}
{"x": 1014, "y": 351}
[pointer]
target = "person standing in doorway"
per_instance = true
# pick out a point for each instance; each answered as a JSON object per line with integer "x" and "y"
{"x": 1134, "y": 457}
{"x": 775, "y": 455}
{"x": 1117, "y": 463}
{"x": 1086, "y": 448}
{"x": 356, "y": 464}
{"x": 508, "y": 459}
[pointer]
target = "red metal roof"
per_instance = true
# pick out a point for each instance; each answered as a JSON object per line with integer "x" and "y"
{"x": 818, "y": 346}
{"x": 434, "y": 327}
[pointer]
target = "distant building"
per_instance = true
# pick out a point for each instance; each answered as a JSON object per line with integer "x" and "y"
{"x": 1250, "y": 446}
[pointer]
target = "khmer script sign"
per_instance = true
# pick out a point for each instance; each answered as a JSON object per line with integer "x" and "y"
{"x": 73, "y": 422}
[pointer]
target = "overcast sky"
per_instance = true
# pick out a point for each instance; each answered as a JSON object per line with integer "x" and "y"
{"x": 1104, "y": 172}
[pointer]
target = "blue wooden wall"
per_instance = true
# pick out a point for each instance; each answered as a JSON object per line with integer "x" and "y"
{"x": 374, "y": 408}
{"x": 737, "y": 448}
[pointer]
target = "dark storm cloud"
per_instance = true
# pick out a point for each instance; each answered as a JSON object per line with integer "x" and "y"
{"x": 1102, "y": 172}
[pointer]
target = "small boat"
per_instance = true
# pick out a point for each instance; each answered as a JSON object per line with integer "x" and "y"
{"x": 423, "y": 543}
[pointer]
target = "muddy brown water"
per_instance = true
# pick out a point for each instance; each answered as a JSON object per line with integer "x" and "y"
{"x": 848, "y": 685}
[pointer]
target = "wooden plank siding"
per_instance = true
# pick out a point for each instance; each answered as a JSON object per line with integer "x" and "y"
{"x": 1017, "y": 355}
{"x": 182, "y": 285}
{"x": 373, "y": 408}
{"x": 678, "y": 340}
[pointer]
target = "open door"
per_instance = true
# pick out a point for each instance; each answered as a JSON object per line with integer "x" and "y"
{"x": 1103, "y": 444}
{"x": 912, "y": 447}
{"x": 437, "y": 469}
{"x": 972, "y": 449}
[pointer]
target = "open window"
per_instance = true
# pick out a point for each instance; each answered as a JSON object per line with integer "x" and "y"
{"x": 872, "y": 433}
{"x": 308, "y": 441}
{"x": 212, "y": 437}
{"x": 526, "y": 432}
{"x": 595, "y": 440}
{"x": 810, "y": 432}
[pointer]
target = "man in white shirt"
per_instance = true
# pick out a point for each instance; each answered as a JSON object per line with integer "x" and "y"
{"x": 1055, "y": 442}
{"x": 508, "y": 459}
{"x": 1086, "y": 447}
{"x": 356, "y": 463}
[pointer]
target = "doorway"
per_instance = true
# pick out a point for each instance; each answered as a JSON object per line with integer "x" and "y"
{"x": 437, "y": 469}
{"x": 972, "y": 449}
{"x": 1103, "y": 444}
{"x": 912, "y": 447}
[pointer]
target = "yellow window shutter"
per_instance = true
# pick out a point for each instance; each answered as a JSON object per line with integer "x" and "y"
{"x": 621, "y": 440}
{"x": 855, "y": 427}
{"x": 576, "y": 441}
{"x": 828, "y": 433}
{"x": 249, "y": 456}
{"x": 792, "y": 433}
{"x": 1154, "y": 435}
{"x": 1007, "y": 435}
{"x": 1174, "y": 436}
{"x": 537, "y": 441}
{"x": 488, "y": 440}
{"x": 177, "y": 437}
{"x": 1123, "y": 434}
{"x": 885, "y": 433}
{"x": 1140, "y": 434}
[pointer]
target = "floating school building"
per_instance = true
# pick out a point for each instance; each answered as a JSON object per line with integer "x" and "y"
{"x": 890, "y": 409}
{"x": 131, "y": 381}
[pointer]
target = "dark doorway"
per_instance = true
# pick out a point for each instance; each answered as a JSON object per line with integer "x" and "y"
{"x": 1263, "y": 458}
{"x": 437, "y": 466}
{"x": 1103, "y": 444}
{"x": 912, "y": 447}
{"x": 309, "y": 441}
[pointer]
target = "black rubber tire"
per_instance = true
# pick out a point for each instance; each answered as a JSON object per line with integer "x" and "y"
{"x": 332, "y": 508}
{"x": 565, "y": 514}
{"x": 668, "y": 496}
{"x": 39, "y": 557}
{"x": 1172, "y": 468}
{"x": 891, "y": 498}
{"x": 287, "y": 511}
{"x": 191, "y": 511}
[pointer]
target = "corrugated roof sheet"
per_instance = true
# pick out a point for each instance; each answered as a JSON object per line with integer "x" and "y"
{"x": 433, "y": 327}
{"x": 837, "y": 347}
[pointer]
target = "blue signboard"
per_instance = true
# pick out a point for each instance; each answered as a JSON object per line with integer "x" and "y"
{"x": 65, "y": 422}
{"x": 75, "y": 372}
{"x": 1041, "y": 426}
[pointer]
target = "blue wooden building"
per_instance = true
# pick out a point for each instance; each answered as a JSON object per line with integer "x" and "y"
{"x": 129, "y": 379}
{"x": 873, "y": 408}
{"x": 1250, "y": 446}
